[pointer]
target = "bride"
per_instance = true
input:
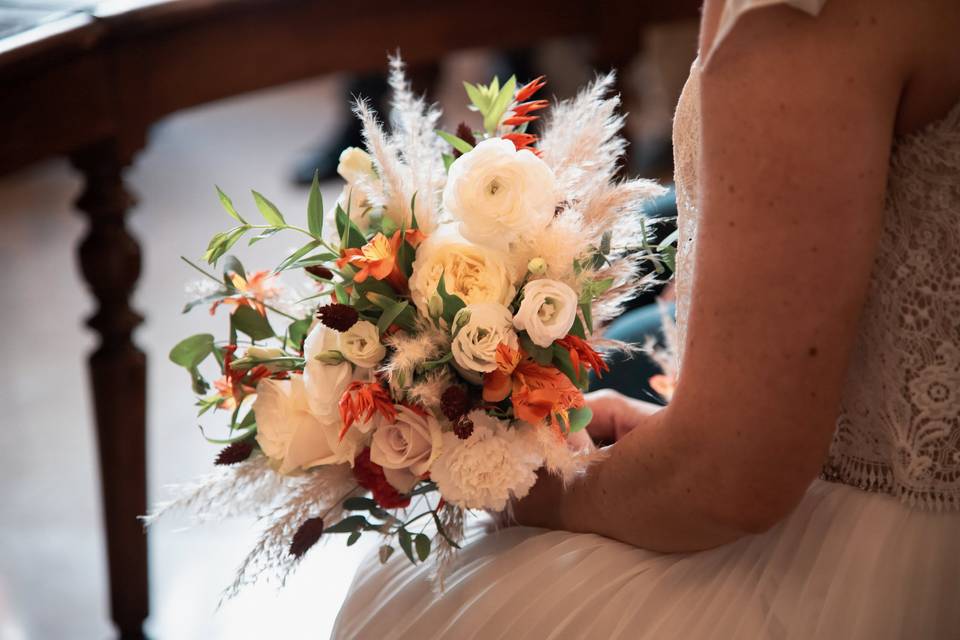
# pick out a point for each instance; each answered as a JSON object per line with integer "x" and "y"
{"x": 805, "y": 479}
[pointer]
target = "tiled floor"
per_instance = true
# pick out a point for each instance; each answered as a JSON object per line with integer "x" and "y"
{"x": 52, "y": 578}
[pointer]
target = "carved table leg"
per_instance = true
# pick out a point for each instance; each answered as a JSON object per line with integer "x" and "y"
{"x": 110, "y": 260}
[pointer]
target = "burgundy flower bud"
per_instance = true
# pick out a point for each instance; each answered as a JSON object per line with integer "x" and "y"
{"x": 306, "y": 536}
{"x": 338, "y": 316}
{"x": 234, "y": 453}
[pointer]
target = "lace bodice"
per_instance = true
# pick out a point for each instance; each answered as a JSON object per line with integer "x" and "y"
{"x": 898, "y": 431}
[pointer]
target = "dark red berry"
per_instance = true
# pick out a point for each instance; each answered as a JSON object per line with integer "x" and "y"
{"x": 306, "y": 536}
{"x": 234, "y": 453}
{"x": 463, "y": 428}
{"x": 455, "y": 402}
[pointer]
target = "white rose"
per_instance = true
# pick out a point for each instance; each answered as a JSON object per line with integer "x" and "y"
{"x": 500, "y": 194}
{"x": 482, "y": 327}
{"x": 325, "y": 383}
{"x": 355, "y": 165}
{"x": 496, "y": 462}
{"x": 290, "y": 434}
{"x": 407, "y": 448}
{"x": 547, "y": 312}
{"x": 360, "y": 344}
{"x": 474, "y": 273}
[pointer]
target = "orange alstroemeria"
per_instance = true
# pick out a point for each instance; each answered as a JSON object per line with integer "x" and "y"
{"x": 536, "y": 391}
{"x": 582, "y": 353}
{"x": 361, "y": 401}
{"x": 251, "y": 292}
{"x": 378, "y": 258}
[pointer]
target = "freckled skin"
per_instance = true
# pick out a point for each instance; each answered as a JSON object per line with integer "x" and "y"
{"x": 797, "y": 121}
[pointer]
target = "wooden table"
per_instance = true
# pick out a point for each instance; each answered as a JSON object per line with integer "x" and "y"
{"x": 87, "y": 79}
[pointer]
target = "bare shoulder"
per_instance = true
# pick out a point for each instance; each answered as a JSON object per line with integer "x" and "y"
{"x": 900, "y": 51}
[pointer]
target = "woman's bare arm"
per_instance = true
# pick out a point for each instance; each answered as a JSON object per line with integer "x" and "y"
{"x": 797, "y": 123}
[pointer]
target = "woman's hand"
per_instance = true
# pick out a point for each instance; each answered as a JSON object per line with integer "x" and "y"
{"x": 615, "y": 415}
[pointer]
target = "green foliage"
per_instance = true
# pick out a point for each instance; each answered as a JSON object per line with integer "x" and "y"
{"x": 291, "y": 260}
{"x": 390, "y": 315}
{"x": 422, "y": 545}
{"x": 579, "y": 418}
{"x": 491, "y": 100}
{"x": 406, "y": 543}
{"x": 247, "y": 320}
{"x": 349, "y": 233}
{"x": 348, "y": 525}
{"x": 385, "y": 552}
{"x": 593, "y": 288}
{"x": 190, "y": 352}
{"x": 315, "y": 207}
{"x": 541, "y": 355}
{"x": 460, "y": 145}
{"x": 452, "y": 303}
{"x": 269, "y": 211}
{"x": 228, "y": 206}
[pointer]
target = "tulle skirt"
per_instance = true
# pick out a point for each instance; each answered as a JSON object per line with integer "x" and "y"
{"x": 845, "y": 564}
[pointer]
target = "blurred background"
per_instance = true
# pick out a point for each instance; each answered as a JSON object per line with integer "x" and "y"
{"x": 53, "y": 577}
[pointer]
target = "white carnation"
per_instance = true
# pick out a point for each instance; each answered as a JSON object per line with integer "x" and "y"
{"x": 484, "y": 471}
{"x": 499, "y": 194}
{"x": 547, "y": 312}
{"x": 484, "y": 327}
{"x": 360, "y": 344}
{"x": 291, "y": 435}
{"x": 472, "y": 272}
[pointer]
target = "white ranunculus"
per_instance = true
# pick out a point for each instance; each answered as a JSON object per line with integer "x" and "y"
{"x": 485, "y": 470}
{"x": 291, "y": 435}
{"x": 472, "y": 272}
{"x": 499, "y": 194}
{"x": 482, "y": 327}
{"x": 548, "y": 310}
{"x": 407, "y": 448}
{"x": 355, "y": 165}
{"x": 360, "y": 344}
{"x": 325, "y": 383}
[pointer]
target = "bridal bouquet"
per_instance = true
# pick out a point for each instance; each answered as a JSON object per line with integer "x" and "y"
{"x": 440, "y": 357}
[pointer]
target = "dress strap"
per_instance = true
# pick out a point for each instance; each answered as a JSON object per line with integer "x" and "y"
{"x": 733, "y": 9}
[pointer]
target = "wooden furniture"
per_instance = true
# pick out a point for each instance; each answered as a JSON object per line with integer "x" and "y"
{"x": 86, "y": 79}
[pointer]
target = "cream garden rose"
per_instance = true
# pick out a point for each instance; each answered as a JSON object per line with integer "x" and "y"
{"x": 361, "y": 345}
{"x": 472, "y": 272}
{"x": 325, "y": 383}
{"x": 290, "y": 435}
{"x": 407, "y": 448}
{"x": 480, "y": 328}
{"x": 547, "y": 311}
{"x": 499, "y": 194}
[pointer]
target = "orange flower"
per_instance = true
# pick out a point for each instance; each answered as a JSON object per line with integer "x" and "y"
{"x": 251, "y": 292}
{"x": 378, "y": 258}
{"x": 664, "y": 385}
{"x": 236, "y": 385}
{"x": 536, "y": 391}
{"x": 527, "y": 90}
{"x": 361, "y": 401}
{"x": 522, "y": 141}
{"x": 583, "y": 353}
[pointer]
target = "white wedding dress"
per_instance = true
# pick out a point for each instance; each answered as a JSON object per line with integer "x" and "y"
{"x": 873, "y": 549}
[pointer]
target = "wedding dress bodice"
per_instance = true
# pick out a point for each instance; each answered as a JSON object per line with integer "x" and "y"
{"x": 898, "y": 431}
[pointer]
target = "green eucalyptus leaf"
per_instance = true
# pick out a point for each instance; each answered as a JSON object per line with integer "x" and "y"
{"x": 246, "y": 319}
{"x": 348, "y": 525}
{"x": 422, "y": 544}
{"x": 391, "y": 314}
{"x": 359, "y": 503}
{"x": 406, "y": 543}
{"x": 292, "y": 259}
{"x": 352, "y": 538}
{"x": 190, "y": 352}
{"x": 579, "y": 418}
